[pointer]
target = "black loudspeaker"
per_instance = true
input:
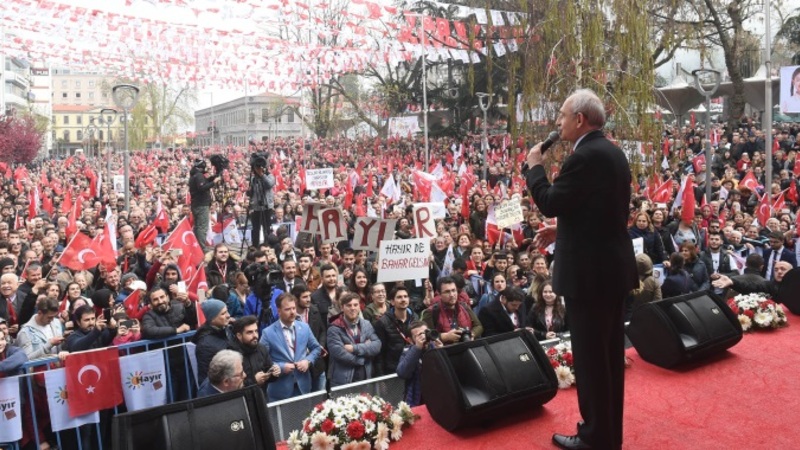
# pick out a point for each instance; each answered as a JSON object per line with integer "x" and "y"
{"x": 680, "y": 329}
{"x": 789, "y": 293}
{"x": 465, "y": 384}
{"x": 233, "y": 420}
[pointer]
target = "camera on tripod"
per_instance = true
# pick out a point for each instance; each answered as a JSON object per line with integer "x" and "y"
{"x": 219, "y": 162}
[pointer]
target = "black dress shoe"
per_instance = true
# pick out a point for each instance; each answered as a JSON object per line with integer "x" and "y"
{"x": 570, "y": 442}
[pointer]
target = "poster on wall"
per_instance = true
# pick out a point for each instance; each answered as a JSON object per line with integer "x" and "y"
{"x": 790, "y": 89}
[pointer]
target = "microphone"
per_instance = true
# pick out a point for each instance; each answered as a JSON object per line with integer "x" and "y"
{"x": 552, "y": 138}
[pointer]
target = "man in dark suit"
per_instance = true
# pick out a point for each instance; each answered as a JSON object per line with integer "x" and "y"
{"x": 595, "y": 267}
{"x": 504, "y": 314}
{"x": 776, "y": 252}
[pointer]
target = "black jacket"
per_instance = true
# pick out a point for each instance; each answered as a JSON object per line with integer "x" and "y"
{"x": 394, "y": 336}
{"x": 160, "y": 326}
{"x": 495, "y": 319}
{"x": 209, "y": 340}
{"x": 80, "y": 340}
{"x": 254, "y": 359}
{"x": 537, "y": 320}
{"x": 200, "y": 188}
{"x": 319, "y": 328}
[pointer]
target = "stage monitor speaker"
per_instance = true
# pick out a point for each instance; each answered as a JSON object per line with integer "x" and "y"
{"x": 468, "y": 383}
{"x": 686, "y": 328}
{"x": 236, "y": 419}
{"x": 789, "y": 293}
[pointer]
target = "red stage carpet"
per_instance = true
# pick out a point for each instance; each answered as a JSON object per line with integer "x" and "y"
{"x": 748, "y": 398}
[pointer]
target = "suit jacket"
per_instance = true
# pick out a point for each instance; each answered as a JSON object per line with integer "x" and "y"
{"x": 786, "y": 255}
{"x": 495, "y": 319}
{"x": 306, "y": 347}
{"x": 591, "y": 198}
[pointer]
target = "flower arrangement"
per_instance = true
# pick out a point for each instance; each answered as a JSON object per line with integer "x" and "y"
{"x": 353, "y": 422}
{"x": 561, "y": 360}
{"x": 757, "y": 311}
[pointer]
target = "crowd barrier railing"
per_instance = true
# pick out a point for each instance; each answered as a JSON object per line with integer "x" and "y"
{"x": 285, "y": 415}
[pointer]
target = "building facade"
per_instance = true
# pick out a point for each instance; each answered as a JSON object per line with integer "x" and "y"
{"x": 78, "y": 127}
{"x": 258, "y": 117}
{"x": 84, "y": 89}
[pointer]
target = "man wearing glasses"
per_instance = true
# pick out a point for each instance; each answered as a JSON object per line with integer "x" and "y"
{"x": 225, "y": 374}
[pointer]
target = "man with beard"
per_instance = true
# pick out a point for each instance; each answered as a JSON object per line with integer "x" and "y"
{"x": 393, "y": 332}
{"x": 213, "y": 336}
{"x": 309, "y": 313}
{"x": 165, "y": 318}
{"x": 255, "y": 357}
{"x": 92, "y": 332}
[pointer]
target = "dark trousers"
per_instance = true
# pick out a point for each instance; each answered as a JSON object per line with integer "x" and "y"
{"x": 261, "y": 220}
{"x": 598, "y": 346}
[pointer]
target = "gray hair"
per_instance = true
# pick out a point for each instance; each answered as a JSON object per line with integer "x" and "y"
{"x": 586, "y": 102}
{"x": 222, "y": 366}
{"x": 10, "y": 276}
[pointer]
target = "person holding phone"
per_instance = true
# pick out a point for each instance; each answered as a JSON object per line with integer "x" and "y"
{"x": 127, "y": 331}
{"x": 92, "y": 331}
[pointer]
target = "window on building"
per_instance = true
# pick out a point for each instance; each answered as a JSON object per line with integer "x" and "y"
{"x": 66, "y": 135}
{"x": 91, "y": 95}
{"x": 79, "y": 135}
{"x": 80, "y": 120}
{"x": 77, "y": 95}
{"x": 290, "y": 116}
{"x": 64, "y": 84}
{"x": 100, "y": 135}
{"x": 91, "y": 84}
{"x": 264, "y": 115}
{"x": 105, "y": 95}
{"x": 77, "y": 84}
{"x": 66, "y": 120}
{"x": 63, "y": 95}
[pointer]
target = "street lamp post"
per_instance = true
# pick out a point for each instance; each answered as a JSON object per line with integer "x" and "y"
{"x": 125, "y": 97}
{"x": 90, "y": 130}
{"x": 484, "y": 101}
{"x": 107, "y": 117}
{"x": 697, "y": 74}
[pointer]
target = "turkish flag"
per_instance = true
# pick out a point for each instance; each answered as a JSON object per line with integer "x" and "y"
{"x": 688, "y": 202}
{"x": 348, "y": 196}
{"x": 797, "y": 167}
{"x": 764, "y": 211}
{"x": 80, "y": 253}
{"x": 663, "y": 193}
{"x": 162, "y": 221}
{"x": 792, "y": 195}
{"x": 66, "y": 204}
{"x": 93, "y": 381}
{"x": 33, "y": 202}
{"x": 133, "y": 307}
{"x": 779, "y": 202}
{"x": 103, "y": 245}
{"x": 749, "y": 181}
{"x": 183, "y": 238}
{"x": 47, "y": 205}
{"x": 698, "y": 161}
{"x": 197, "y": 283}
{"x": 147, "y": 236}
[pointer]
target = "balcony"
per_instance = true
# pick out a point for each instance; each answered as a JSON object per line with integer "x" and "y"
{"x": 17, "y": 78}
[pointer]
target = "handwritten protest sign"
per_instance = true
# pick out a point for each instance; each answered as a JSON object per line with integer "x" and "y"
{"x": 405, "y": 259}
{"x": 508, "y": 213}
{"x": 369, "y": 232}
{"x": 424, "y": 225}
{"x": 319, "y": 178}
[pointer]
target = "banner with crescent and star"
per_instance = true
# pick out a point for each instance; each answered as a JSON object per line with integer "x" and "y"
{"x": 93, "y": 381}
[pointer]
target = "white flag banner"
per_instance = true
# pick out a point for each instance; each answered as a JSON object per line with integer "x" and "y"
{"x": 119, "y": 184}
{"x": 369, "y": 232}
{"x": 638, "y": 246}
{"x": 190, "y": 348}
{"x": 424, "y": 224}
{"x": 143, "y": 380}
{"x": 319, "y": 178}
{"x": 508, "y": 213}
{"x": 11, "y": 420}
{"x": 57, "y": 402}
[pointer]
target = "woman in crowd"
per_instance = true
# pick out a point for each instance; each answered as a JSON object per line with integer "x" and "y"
{"x": 548, "y": 316}
{"x": 499, "y": 283}
{"x": 464, "y": 246}
{"x": 237, "y": 296}
{"x": 678, "y": 280}
{"x": 658, "y": 226}
{"x": 643, "y": 228}
{"x": 695, "y": 266}
{"x": 477, "y": 220}
{"x": 377, "y": 308}
{"x": 359, "y": 284}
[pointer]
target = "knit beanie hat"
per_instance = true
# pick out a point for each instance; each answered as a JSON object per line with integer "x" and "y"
{"x": 212, "y": 308}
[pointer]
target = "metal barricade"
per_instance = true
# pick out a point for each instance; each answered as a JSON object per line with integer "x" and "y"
{"x": 288, "y": 415}
{"x": 391, "y": 388}
{"x": 90, "y": 436}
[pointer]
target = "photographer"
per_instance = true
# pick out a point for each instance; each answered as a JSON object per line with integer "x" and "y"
{"x": 262, "y": 199}
{"x": 454, "y": 320}
{"x": 409, "y": 367}
{"x": 200, "y": 190}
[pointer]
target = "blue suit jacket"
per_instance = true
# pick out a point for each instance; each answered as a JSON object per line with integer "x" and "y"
{"x": 306, "y": 347}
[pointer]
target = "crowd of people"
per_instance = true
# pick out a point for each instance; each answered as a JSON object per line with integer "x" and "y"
{"x": 296, "y": 316}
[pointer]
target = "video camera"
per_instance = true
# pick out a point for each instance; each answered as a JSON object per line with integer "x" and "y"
{"x": 219, "y": 162}
{"x": 261, "y": 279}
{"x": 259, "y": 159}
